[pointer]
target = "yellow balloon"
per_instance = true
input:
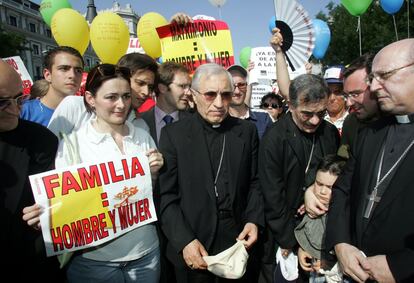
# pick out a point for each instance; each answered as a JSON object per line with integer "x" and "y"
{"x": 147, "y": 33}
{"x": 69, "y": 28}
{"x": 109, "y": 37}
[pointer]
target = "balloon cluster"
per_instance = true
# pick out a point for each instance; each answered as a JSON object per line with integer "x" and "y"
{"x": 358, "y": 7}
{"x": 108, "y": 33}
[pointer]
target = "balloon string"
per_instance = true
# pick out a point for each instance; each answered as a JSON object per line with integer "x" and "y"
{"x": 408, "y": 18}
{"x": 360, "y": 36}
{"x": 395, "y": 27}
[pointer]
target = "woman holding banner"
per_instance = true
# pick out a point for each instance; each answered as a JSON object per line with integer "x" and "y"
{"x": 133, "y": 256}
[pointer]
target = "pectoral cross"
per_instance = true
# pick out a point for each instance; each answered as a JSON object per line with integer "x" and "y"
{"x": 372, "y": 199}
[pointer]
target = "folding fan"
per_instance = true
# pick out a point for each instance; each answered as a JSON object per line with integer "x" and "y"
{"x": 297, "y": 30}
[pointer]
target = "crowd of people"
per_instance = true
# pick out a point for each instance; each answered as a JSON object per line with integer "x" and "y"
{"x": 324, "y": 184}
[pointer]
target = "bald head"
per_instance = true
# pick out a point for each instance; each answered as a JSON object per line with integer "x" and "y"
{"x": 393, "y": 77}
{"x": 9, "y": 80}
{"x": 10, "y": 88}
{"x": 399, "y": 52}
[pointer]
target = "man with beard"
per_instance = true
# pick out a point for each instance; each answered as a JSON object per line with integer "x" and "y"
{"x": 288, "y": 158}
{"x": 362, "y": 103}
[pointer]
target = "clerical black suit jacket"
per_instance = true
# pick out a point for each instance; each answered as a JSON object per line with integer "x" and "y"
{"x": 282, "y": 164}
{"x": 188, "y": 202}
{"x": 28, "y": 149}
{"x": 149, "y": 118}
{"x": 390, "y": 230}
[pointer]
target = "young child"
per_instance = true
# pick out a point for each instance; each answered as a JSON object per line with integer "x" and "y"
{"x": 310, "y": 232}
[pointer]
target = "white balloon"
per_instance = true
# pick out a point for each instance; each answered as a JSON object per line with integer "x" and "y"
{"x": 218, "y": 3}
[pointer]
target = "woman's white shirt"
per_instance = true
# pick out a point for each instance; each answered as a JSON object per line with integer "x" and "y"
{"x": 92, "y": 146}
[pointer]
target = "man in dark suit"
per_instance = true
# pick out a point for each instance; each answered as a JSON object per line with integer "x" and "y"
{"x": 238, "y": 107}
{"x": 288, "y": 158}
{"x": 210, "y": 191}
{"x": 172, "y": 98}
{"x": 26, "y": 148}
{"x": 362, "y": 103}
{"x": 370, "y": 223}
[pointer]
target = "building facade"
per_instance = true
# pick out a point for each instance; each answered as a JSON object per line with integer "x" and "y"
{"x": 127, "y": 14}
{"x": 23, "y": 17}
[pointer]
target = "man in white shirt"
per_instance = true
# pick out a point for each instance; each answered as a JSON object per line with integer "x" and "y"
{"x": 336, "y": 110}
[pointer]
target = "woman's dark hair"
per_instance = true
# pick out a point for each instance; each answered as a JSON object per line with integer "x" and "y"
{"x": 102, "y": 73}
{"x": 272, "y": 95}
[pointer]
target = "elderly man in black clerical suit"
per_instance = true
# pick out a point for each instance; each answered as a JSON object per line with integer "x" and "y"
{"x": 289, "y": 155}
{"x": 26, "y": 148}
{"x": 370, "y": 221}
{"x": 209, "y": 186}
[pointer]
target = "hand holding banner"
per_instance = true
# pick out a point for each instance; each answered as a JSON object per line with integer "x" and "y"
{"x": 89, "y": 204}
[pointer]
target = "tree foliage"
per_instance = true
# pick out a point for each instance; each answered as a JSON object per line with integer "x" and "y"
{"x": 11, "y": 43}
{"x": 377, "y": 30}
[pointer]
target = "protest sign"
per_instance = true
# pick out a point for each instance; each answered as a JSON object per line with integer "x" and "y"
{"x": 88, "y": 204}
{"x": 264, "y": 71}
{"x": 17, "y": 63}
{"x": 258, "y": 91}
{"x": 264, "y": 59}
{"x": 134, "y": 46}
{"x": 197, "y": 43}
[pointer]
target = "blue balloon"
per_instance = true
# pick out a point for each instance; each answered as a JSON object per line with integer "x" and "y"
{"x": 272, "y": 23}
{"x": 322, "y": 38}
{"x": 391, "y": 6}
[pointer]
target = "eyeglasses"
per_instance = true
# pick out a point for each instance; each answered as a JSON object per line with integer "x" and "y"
{"x": 106, "y": 70}
{"x": 381, "y": 77}
{"x": 267, "y": 105}
{"x": 183, "y": 86}
{"x": 211, "y": 95}
{"x": 241, "y": 86}
{"x": 354, "y": 94}
{"x": 306, "y": 115}
{"x": 18, "y": 100}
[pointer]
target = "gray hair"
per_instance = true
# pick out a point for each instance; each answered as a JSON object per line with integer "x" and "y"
{"x": 308, "y": 88}
{"x": 209, "y": 69}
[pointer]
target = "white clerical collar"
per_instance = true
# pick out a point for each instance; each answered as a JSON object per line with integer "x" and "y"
{"x": 404, "y": 119}
{"x": 215, "y": 126}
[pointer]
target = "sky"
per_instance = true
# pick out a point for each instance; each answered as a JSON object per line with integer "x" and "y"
{"x": 248, "y": 20}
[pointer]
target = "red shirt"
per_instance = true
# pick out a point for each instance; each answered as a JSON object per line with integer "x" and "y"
{"x": 147, "y": 105}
